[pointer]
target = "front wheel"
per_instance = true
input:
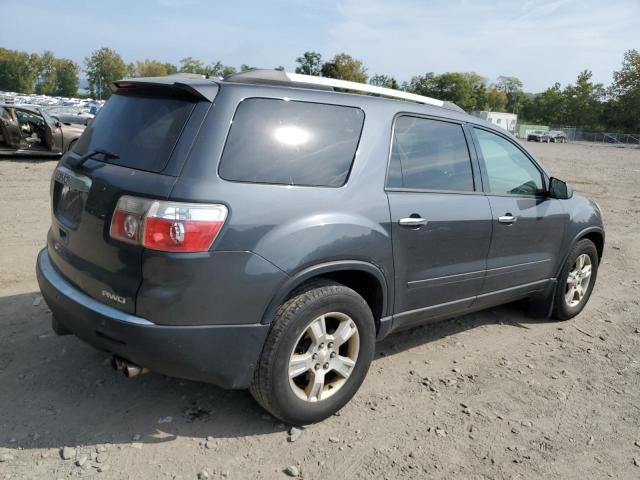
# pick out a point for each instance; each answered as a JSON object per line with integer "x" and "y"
{"x": 576, "y": 280}
{"x": 316, "y": 355}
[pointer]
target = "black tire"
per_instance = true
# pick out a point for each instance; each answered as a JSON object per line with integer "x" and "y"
{"x": 561, "y": 310}
{"x": 271, "y": 387}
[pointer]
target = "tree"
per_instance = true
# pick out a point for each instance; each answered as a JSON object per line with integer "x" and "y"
{"x": 384, "y": 81}
{"x": 583, "y": 101}
{"x": 245, "y": 68}
{"x": 478, "y": 85}
{"x": 451, "y": 86}
{"x": 623, "y": 109}
{"x": 46, "y": 81}
{"x": 192, "y": 65}
{"x": 345, "y": 67}
{"x": 496, "y": 101}
{"x": 18, "y": 70}
{"x": 310, "y": 64}
{"x": 67, "y": 82}
{"x": 512, "y": 88}
{"x": 547, "y": 107}
{"x": 103, "y": 67}
{"x": 151, "y": 68}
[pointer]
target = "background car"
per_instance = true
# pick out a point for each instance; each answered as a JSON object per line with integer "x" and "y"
{"x": 30, "y": 131}
{"x": 557, "y": 136}
{"x": 538, "y": 136}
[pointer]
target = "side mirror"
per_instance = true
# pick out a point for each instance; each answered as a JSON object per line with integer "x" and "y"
{"x": 559, "y": 189}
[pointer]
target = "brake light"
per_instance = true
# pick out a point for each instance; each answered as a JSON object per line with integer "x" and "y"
{"x": 167, "y": 226}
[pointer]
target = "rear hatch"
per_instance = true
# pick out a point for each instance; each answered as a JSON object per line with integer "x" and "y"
{"x": 149, "y": 129}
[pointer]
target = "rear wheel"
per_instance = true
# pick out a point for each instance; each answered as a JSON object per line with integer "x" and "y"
{"x": 317, "y": 354}
{"x": 576, "y": 280}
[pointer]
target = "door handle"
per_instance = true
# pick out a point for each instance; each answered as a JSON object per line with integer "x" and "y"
{"x": 507, "y": 218}
{"x": 412, "y": 222}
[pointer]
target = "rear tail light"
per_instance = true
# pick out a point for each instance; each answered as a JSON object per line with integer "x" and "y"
{"x": 167, "y": 226}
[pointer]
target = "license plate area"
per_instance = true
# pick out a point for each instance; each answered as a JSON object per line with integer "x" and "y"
{"x": 70, "y": 192}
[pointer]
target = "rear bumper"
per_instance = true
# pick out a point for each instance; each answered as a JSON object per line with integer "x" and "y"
{"x": 225, "y": 355}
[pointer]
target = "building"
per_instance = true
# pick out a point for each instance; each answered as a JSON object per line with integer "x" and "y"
{"x": 504, "y": 120}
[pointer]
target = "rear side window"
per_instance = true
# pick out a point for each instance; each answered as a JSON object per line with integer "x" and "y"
{"x": 291, "y": 143}
{"x": 141, "y": 130}
{"x": 429, "y": 155}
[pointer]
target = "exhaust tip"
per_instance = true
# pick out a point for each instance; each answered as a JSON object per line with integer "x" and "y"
{"x": 131, "y": 370}
{"x": 117, "y": 363}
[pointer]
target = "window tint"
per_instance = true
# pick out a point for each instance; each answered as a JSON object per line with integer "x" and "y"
{"x": 430, "y": 155}
{"x": 509, "y": 171}
{"x": 291, "y": 143}
{"x": 141, "y": 130}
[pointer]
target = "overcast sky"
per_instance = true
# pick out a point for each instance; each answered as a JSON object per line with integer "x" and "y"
{"x": 539, "y": 41}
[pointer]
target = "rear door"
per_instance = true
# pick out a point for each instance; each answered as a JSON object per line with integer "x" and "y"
{"x": 151, "y": 134}
{"x": 528, "y": 226}
{"x": 9, "y": 131}
{"x": 441, "y": 220}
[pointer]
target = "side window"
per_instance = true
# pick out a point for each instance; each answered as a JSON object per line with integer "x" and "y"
{"x": 509, "y": 171}
{"x": 429, "y": 155}
{"x": 291, "y": 143}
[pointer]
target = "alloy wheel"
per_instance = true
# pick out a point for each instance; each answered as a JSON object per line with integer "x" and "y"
{"x": 324, "y": 357}
{"x": 578, "y": 280}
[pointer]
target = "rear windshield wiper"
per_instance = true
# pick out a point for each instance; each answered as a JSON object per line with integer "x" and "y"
{"x": 78, "y": 162}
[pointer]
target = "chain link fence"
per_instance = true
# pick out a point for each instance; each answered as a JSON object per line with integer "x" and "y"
{"x": 575, "y": 134}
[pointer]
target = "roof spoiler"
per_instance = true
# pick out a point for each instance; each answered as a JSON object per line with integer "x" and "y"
{"x": 193, "y": 85}
{"x": 279, "y": 77}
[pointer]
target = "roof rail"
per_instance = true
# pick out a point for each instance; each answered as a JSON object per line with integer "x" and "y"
{"x": 276, "y": 77}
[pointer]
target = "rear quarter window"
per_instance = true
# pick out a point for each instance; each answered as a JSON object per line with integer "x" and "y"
{"x": 291, "y": 143}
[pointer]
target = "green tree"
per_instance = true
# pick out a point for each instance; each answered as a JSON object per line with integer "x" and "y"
{"x": 46, "y": 82}
{"x": 18, "y": 70}
{"x": 192, "y": 65}
{"x": 151, "y": 68}
{"x": 345, "y": 67}
{"x": 66, "y": 72}
{"x": 512, "y": 88}
{"x": 548, "y": 107}
{"x": 623, "y": 109}
{"x": 583, "y": 101}
{"x": 310, "y": 64}
{"x": 384, "y": 81}
{"x": 451, "y": 86}
{"x": 496, "y": 101}
{"x": 103, "y": 67}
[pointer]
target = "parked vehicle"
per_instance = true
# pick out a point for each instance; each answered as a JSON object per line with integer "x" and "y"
{"x": 557, "y": 136}
{"x": 30, "y": 131}
{"x": 269, "y": 239}
{"x": 538, "y": 136}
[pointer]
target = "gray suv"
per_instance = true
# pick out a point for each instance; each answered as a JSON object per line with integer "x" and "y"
{"x": 265, "y": 230}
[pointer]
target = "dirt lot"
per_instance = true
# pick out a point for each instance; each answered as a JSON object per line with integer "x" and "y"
{"x": 490, "y": 395}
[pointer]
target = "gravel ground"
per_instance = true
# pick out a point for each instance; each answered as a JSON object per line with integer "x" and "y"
{"x": 490, "y": 395}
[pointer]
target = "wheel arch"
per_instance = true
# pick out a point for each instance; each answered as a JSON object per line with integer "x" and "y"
{"x": 363, "y": 277}
{"x": 595, "y": 234}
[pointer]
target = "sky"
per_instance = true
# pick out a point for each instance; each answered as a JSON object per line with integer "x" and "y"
{"x": 538, "y": 41}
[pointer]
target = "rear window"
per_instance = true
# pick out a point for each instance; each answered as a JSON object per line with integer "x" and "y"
{"x": 141, "y": 130}
{"x": 292, "y": 143}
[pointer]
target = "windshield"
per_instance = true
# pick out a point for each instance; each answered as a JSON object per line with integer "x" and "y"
{"x": 141, "y": 130}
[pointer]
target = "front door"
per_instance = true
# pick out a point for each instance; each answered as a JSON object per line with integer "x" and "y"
{"x": 528, "y": 225}
{"x": 441, "y": 221}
